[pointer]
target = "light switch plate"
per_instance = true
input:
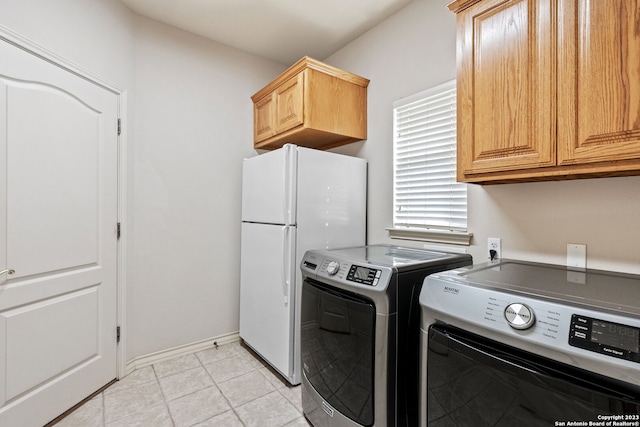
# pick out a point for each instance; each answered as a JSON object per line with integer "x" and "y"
{"x": 576, "y": 255}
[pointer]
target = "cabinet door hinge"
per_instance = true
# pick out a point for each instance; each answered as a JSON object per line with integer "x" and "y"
{"x": 119, "y": 127}
{"x": 118, "y": 231}
{"x": 118, "y": 334}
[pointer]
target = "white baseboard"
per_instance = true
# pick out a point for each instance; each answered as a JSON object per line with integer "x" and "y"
{"x": 161, "y": 356}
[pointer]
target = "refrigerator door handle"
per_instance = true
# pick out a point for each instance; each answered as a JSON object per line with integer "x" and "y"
{"x": 286, "y": 275}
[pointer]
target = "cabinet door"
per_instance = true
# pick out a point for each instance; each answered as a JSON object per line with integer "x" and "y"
{"x": 289, "y": 103}
{"x": 598, "y": 81}
{"x": 264, "y": 118}
{"x": 506, "y": 86}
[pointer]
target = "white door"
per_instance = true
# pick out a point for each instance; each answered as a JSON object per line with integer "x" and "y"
{"x": 58, "y": 216}
{"x": 269, "y": 187}
{"x": 267, "y": 292}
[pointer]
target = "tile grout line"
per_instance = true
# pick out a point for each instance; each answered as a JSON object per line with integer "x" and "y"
{"x": 218, "y": 387}
{"x": 286, "y": 386}
{"x": 128, "y": 389}
{"x": 104, "y": 415}
{"x": 244, "y": 354}
{"x": 164, "y": 397}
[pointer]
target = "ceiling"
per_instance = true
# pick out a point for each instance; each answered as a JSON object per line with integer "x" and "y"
{"x": 282, "y": 30}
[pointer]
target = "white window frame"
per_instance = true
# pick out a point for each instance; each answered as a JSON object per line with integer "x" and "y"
{"x": 424, "y": 147}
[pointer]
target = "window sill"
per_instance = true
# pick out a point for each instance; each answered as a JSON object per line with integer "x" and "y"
{"x": 435, "y": 236}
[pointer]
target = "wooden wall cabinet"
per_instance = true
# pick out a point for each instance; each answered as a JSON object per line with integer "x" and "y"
{"x": 547, "y": 89}
{"x": 311, "y": 104}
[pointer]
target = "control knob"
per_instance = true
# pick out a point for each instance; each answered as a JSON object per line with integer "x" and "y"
{"x": 333, "y": 267}
{"x": 519, "y": 316}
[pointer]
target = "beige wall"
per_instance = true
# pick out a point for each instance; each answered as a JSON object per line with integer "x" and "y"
{"x": 415, "y": 50}
{"x": 194, "y": 120}
{"x": 537, "y": 220}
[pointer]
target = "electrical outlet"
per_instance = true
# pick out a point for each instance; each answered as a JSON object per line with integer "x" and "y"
{"x": 576, "y": 255}
{"x": 494, "y": 244}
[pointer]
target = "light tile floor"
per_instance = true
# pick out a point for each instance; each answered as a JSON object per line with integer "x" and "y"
{"x": 226, "y": 386}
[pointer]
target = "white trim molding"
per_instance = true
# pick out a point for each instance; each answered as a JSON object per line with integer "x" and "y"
{"x": 170, "y": 353}
{"x": 40, "y": 51}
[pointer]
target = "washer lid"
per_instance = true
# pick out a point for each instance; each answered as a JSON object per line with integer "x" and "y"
{"x": 395, "y": 256}
{"x": 618, "y": 292}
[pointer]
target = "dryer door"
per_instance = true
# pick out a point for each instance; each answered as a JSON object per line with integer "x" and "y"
{"x": 337, "y": 344}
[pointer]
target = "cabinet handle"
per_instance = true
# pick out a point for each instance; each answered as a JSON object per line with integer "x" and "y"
{"x": 8, "y": 271}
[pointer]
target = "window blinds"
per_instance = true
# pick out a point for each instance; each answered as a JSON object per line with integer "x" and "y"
{"x": 426, "y": 194}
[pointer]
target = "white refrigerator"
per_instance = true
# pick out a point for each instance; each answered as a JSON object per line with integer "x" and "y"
{"x": 293, "y": 199}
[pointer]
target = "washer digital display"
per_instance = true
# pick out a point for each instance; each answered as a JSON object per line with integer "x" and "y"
{"x": 364, "y": 275}
{"x": 615, "y": 335}
{"x": 362, "y": 272}
{"x": 601, "y": 336}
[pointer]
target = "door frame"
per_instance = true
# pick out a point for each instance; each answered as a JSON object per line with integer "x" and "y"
{"x": 9, "y": 36}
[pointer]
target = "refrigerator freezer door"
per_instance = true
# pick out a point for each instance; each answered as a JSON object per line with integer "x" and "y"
{"x": 269, "y": 187}
{"x": 267, "y": 292}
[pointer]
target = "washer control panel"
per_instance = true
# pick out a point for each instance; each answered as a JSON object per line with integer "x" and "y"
{"x": 585, "y": 332}
{"x": 612, "y": 339}
{"x": 343, "y": 272}
{"x": 518, "y": 319}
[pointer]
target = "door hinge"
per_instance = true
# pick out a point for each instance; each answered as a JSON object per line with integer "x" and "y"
{"x": 118, "y": 231}
{"x": 119, "y": 127}
{"x": 118, "y": 334}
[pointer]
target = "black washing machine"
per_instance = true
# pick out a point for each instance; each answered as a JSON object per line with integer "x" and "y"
{"x": 360, "y": 333}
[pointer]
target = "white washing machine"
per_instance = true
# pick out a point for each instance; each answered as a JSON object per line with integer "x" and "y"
{"x": 515, "y": 343}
